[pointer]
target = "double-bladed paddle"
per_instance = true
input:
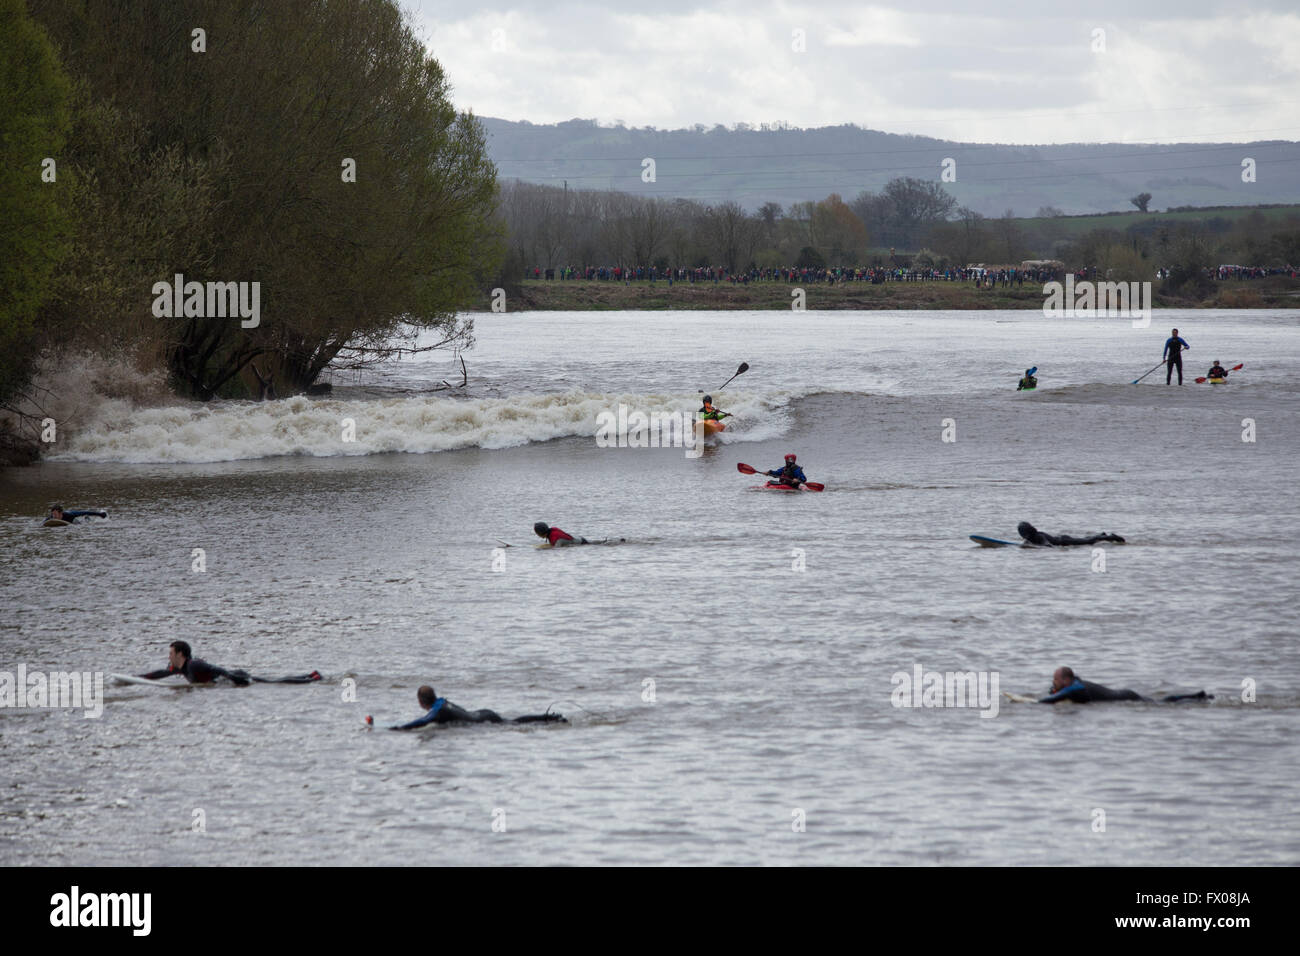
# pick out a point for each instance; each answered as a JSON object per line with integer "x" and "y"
{"x": 744, "y": 367}
{"x": 1236, "y": 368}
{"x": 745, "y": 469}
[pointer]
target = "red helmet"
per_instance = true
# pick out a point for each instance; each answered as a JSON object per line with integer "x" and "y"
{"x": 789, "y": 458}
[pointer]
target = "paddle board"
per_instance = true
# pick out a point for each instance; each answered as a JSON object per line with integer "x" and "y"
{"x": 56, "y": 523}
{"x": 132, "y": 679}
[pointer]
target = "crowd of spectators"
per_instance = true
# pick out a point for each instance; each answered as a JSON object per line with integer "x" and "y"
{"x": 984, "y": 277}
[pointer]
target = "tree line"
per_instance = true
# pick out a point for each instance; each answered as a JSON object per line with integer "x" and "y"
{"x": 309, "y": 147}
{"x": 909, "y": 223}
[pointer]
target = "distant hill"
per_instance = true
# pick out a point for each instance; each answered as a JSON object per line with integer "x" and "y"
{"x": 754, "y": 166}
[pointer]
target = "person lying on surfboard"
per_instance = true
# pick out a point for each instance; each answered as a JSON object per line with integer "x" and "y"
{"x": 1217, "y": 372}
{"x": 555, "y": 537}
{"x": 181, "y": 660}
{"x": 442, "y": 711}
{"x": 1034, "y": 536}
{"x": 1066, "y": 686}
{"x": 710, "y": 413}
{"x": 791, "y": 474}
{"x": 59, "y": 513}
{"x": 1029, "y": 382}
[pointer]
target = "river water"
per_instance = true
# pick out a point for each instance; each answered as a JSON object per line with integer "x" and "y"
{"x": 730, "y": 669}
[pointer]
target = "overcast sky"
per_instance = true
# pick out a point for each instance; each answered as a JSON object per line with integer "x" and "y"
{"x": 988, "y": 72}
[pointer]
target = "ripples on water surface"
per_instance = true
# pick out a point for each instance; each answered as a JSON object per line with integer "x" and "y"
{"x": 771, "y": 686}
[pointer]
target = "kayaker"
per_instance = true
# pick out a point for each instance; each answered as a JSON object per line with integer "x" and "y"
{"x": 791, "y": 474}
{"x": 1218, "y": 371}
{"x": 59, "y": 513}
{"x": 442, "y": 711}
{"x": 1034, "y": 536}
{"x": 180, "y": 660}
{"x": 1174, "y": 346}
{"x": 1028, "y": 383}
{"x": 710, "y": 413}
{"x": 555, "y": 537}
{"x": 1066, "y": 686}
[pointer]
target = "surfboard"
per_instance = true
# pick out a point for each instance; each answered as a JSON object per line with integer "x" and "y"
{"x": 1019, "y": 698}
{"x": 132, "y": 679}
{"x": 984, "y": 542}
{"x": 56, "y": 523}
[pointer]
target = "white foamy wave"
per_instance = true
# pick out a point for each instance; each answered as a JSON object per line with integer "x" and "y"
{"x": 233, "y": 431}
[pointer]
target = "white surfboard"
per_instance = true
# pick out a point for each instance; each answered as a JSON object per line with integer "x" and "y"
{"x": 144, "y": 681}
{"x": 1019, "y": 698}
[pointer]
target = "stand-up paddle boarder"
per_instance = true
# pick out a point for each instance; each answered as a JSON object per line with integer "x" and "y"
{"x": 1173, "y": 354}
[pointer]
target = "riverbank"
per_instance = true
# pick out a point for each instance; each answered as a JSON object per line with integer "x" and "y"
{"x": 578, "y": 295}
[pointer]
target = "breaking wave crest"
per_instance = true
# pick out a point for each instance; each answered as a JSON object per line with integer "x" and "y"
{"x": 232, "y": 431}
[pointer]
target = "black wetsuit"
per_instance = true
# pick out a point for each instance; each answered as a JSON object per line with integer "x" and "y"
{"x": 71, "y": 516}
{"x": 1027, "y": 384}
{"x": 444, "y": 711}
{"x": 198, "y": 671}
{"x": 1174, "y": 346}
{"x": 1034, "y": 536}
{"x": 1086, "y": 692}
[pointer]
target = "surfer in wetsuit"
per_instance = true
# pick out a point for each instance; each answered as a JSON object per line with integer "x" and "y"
{"x": 791, "y": 474}
{"x": 1066, "y": 686}
{"x": 1174, "y": 346}
{"x": 442, "y": 711}
{"x": 180, "y": 660}
{"x": 1218, "y": 371}
{"x": 59, "y": 513}
{"x": 555, "y": 537}
{"x": 1028, "y": 383}
{"x": 1034, "y": 536}
{"x": 710, "y": 413}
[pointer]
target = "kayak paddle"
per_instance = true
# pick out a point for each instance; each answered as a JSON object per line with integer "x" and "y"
{"x": 744, "y": 367}
{"x": 1145, "y": 374}
{"x": 745, "y": 469}
{"x": 1236, "y": 368}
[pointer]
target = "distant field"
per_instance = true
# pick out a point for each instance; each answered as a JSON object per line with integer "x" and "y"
{"x": 1078, "y": 225}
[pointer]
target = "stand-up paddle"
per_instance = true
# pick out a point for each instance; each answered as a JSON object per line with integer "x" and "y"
{"x": 745, "y": 469}
{"x": 1145, "y": 374}
{"x": 1236, "y": 368}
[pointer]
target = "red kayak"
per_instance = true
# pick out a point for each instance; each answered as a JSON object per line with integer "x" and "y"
{"x": 745, "y": 469}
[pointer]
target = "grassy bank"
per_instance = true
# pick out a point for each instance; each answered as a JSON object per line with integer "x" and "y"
{"x": 580, "y": 295}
